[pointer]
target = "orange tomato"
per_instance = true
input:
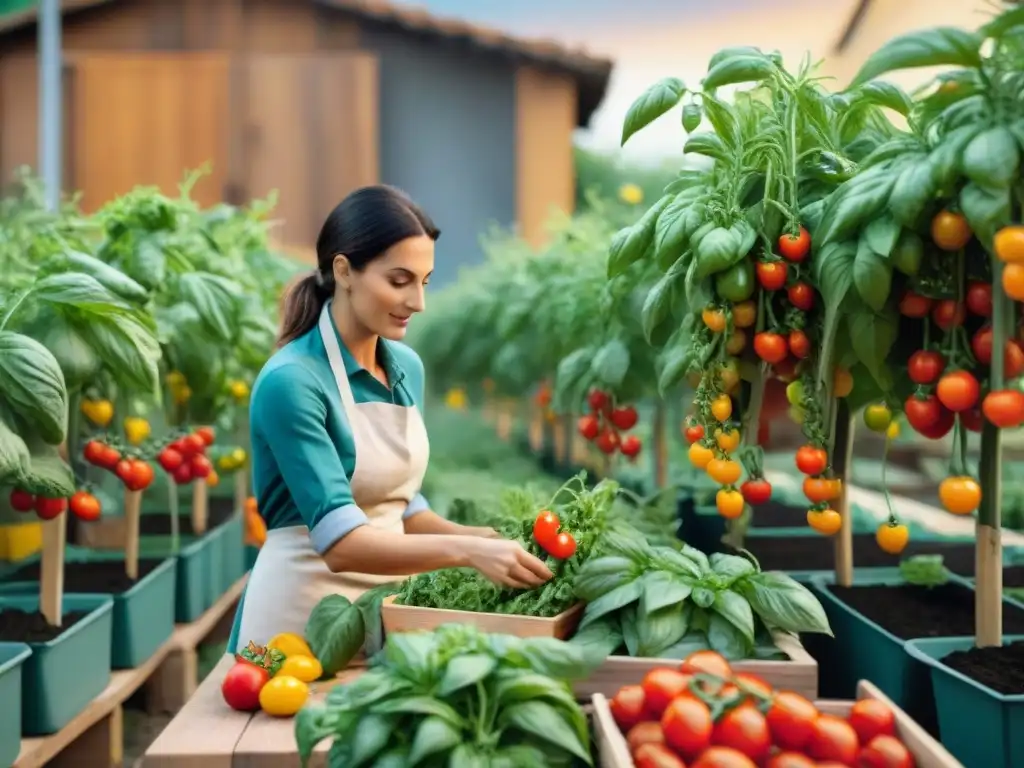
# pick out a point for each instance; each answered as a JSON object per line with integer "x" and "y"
{"x": 826, "y": 522}
{"x": 1009, "y": 244}
{"x": 950, "y": 230}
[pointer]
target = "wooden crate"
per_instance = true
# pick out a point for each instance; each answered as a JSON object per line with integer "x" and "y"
{"x": 799, "y": 674}
{"x": 613, "y": 751}
{"x": 411, "y": 618}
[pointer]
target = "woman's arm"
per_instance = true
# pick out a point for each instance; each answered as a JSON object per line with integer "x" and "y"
{"x": 429, "y": 522}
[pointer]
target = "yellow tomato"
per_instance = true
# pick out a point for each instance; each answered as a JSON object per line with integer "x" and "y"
{"x": 283, "y": 695}
{"x": 728, "y": 439}
{"x": 226, "y": 463}
{"x": 239, "y": 456}
{"x": 290, "y": 644}
{"x": 797, "y": 415}
{"x": 136, "y": 430}
{"x": 238, "y": 389}
{"x": 175, "y": 380}
{"x": 730, "y": 503}
{"x": 892, "y": 537}
{"x": 714, "y": 319}
{"x": 744, "y": 314}
{"x": 99, "y": 412}
{"x": 700, "y": 455}
{"x": 304, "y": 668}
{"x": 893, "y": 431}
{"x": 724, "y": 471}
{"x": 795, "y": 392}
{"x": 721, "y": 407}
{"x": 826, "y": 522}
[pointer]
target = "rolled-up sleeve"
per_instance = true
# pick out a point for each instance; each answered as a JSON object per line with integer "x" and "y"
{"x": 419, "y": 503}
{"x": 307, "y": 457}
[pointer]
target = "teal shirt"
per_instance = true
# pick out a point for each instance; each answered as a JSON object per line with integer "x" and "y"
{"x": 303, "y": 450}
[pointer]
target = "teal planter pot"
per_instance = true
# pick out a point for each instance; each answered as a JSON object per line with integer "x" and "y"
{"x": 12, "y": 657}
{"x": 143, "y": 615}
{"x": 192, "y": 591}
{"x": 980, "y": 727}
{"x": 232, "y": 553}
{"x": 63, "y": 675}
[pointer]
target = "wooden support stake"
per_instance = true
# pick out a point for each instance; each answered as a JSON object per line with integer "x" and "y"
{"x": 842, "y": 461}
{"x": 200, "y": 506}
{"x": 560, "y": 443}
{"x": 506, "y": 419}
{"x": 132, "y": 511}
{"x": 988, "y": 601}
{"x": 536, "y": 429}
{"x": 51, "y": 576}
{"x": 241, "y": 490}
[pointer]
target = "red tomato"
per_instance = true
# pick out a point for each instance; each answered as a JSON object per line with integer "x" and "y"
{"x": 648, "y": 732}
{"x": 948, "y": 314}
{"x": 563, "y": 547}
{"x": 801, "y": 296}
{"x": 799, "y": 344}
{"x": 656, "y": 756}
{"x": 811, "y": 460}
{"x": 885, "y": 751}
{"x": 706, "y": 663}
{"x": 206, "y": 434}
{"x": 795, "y": 247}
{"x": 723, "y": 757}
{"x": 123, "y": 470}
{"x": 791, "y": 760}
{"x": 170, "y": 459}
{"x": 772, "y": 274}
{"x": 1004, "y": 408}
{"x": 588, "y": 426}
{"x": 661, "y": 685}
{"x": 925, "y": 366}
{"x": 201, "y": 466}
{"x": 756, "y": 491}
{"x": 979, "y": 299}
{"x": 630, "y": 446}
{"x": 958, "y": 391}
{"x": 85, "y": 506}
{"x": 693, "y": 433}
{"x": 48, "y": 509}
{"x": 941, "y": 427}
{"x": 833, "y": 739}
{"x": 624, "y": 418}
{"x": 1013, "y": 354}
{"x": 791, "y": 720}
{"x": 141, "y": 476}
{"x": 922, "y": 412}
{"x": 745, "y": 730}
{"x": 545, "y": 528}
{"x": 770, "y": 347}
{"x": 687, "y": 725}
{"x": 597, "y": 400}
{"x": 915, "y": 305}
{"x": 972, "y": 420}
{"x": 242, "y": 684}
{"x": 608, "y": 441}
{"x": 871, "y": 718}
{"x": 22, "y": 501}
{"x": 93, "y": 452}
{"x": 183, "y": 474}
{"x": 628, "y": 707}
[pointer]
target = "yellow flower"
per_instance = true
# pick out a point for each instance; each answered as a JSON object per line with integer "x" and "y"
{"x": 239, "y": 389}
{"x": 631, "y": 194}
{"x": 456, "y": 399}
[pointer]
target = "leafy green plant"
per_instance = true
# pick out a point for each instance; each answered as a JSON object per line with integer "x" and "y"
{"x": 457, "y": 696}
{"x": 659, "y": 602}
{"x": 924, "y": 570}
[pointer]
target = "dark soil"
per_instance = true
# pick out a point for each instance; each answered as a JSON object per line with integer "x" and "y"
{"x": 776, "y": 515}
{"x": 1001, "y": 668}
{"x": 218, "y": 512}
{"x": 105, "y": 578}
{"x": 17, "y": 626}
{"x": 813, "y": 553}
{"x": 1013, "y": 576}
{"x": 911, "y": 612}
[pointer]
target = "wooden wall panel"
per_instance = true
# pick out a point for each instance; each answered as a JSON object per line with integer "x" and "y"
{"x": 545, "y": 122}
{"x": 311, "y": 134}
{"x": 18, "y": 132}
{"x": 145, "y": 119}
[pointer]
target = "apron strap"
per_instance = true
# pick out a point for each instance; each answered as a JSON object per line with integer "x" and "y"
{"x": 330, "y": 339}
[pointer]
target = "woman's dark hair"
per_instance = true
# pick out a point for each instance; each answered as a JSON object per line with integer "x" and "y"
{"x": 362, "y": 227}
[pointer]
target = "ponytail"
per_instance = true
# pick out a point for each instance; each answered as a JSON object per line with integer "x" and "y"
{"x": 300, "y": 307}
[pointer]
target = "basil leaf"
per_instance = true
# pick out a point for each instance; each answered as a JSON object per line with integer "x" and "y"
{"x": 370, "y": 735}
{"x": 14, "y": 456}
{"x": 725, "y": 638}
{"x": 693, "y": 641}
{"x": 313, "y": 724}
{"x": 216, "y": 299}
{"x": 782, "y": 602}
{"x": 464, "y": 671}
{"x": 615, "y": 600}
{"x": 409, "y": 651}
{"x": 703, "y": 597}
{"x": 464, "y": 756}
{"x": 737, "y": 611}
{"x": 47, "y": 473}
{"x": 127, "y": 347}
{"x": 517, "y": 756}
{"x": 654, "y": 102}
{"x": 661, "y": 629}
{"x": 546, "y": 723}
{"x": 559, "y": 659}
{"x": 79, "y": 290}
{"x": 32, "y": 385}
{"x": 335, "y": 633}
{"x": 434, "y": 735}
{"x": 397, "y": 757}
{"x": 526, "y": 686}
{"x": 419, "y": 705}
{"x": 369, "y": 605}
{"x": 662, "y": 589}
{"x": 628, "y": 619}
{"x": 731, "y": 567}
{"x": 604, "y": 636}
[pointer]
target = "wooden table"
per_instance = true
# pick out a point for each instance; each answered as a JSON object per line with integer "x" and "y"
{"x": 208, "y": 734}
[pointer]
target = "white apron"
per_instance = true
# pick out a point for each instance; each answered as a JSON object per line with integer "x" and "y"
{"x": 289, "y": 577}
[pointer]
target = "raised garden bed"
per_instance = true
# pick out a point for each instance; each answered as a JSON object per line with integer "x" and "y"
{"x": 873, "y": 619}
{"x": 411, "y": 618}
{"x": 979, "y": 694}
{"x": 143, "y": 612}
{"x": 69, "y": 665}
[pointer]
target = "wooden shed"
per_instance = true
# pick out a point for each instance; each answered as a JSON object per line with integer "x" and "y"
{"x": 312, "y": 98}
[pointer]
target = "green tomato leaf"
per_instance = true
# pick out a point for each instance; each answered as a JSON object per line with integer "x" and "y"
{"x": 942, "y": 46}
{"x": 611, "y": 364}
{"x": 780, "y": 601}
{"x": 986, "y": 210}
{"x": 736, "y": 610}
{"x": 652, "y": 104}
{"x": 872, "y": 335}
{"x": 912, "y": 192}
{"x": 992, "y": 158}
{"x": 32, "y": 385}
{"x": 547, "y": 723}
{"x": 692, "y": 117}
{"x": 335, "y": 633}
{"x": 433, "y": 736}
{"x": 740, "y": 68}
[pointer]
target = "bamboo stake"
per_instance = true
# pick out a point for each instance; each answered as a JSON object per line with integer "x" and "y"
{"x": 241, "y": 485}
{"x": 200, "y": 506}
{"x": 174, "y": 506}
{"x": 132, "y": 511}
{"x": 659, "y": 440}
{"x": 505, "y": 419}
{"x": 536, "y": 429}
{"x": 51, "y": 576}
{"x": 841, "y": 465}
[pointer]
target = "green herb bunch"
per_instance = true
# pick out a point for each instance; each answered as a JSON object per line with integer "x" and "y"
{"x": 663, "y": 602}
{"x": 585, "y": 513}
{"x": 457, "y": 696}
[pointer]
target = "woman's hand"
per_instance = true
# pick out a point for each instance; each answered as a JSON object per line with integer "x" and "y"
{"x": 506, "y": 562}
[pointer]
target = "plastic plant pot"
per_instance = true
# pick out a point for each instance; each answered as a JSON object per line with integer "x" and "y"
{"x": 12, "y": 658}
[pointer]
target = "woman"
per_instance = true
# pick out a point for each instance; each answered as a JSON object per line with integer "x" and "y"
{"x": 339, "y": 448}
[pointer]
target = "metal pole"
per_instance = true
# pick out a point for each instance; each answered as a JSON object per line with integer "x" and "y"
{"x": 51, "y": 100}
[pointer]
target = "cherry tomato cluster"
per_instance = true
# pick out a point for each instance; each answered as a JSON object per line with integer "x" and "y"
{"x": 605, "y": 423}
{"x": 548, "y": 534}
{"x": 714, "y": 455}
{"x": 704, "y": 715}
{"x": 82, "y": 504}
{"x": 136, "y": 473}
{"x": 185, "y": 460}
{"x": 820, "y": 488}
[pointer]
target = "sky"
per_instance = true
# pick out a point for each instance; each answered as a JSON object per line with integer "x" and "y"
{"x": 651, "y": 39}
